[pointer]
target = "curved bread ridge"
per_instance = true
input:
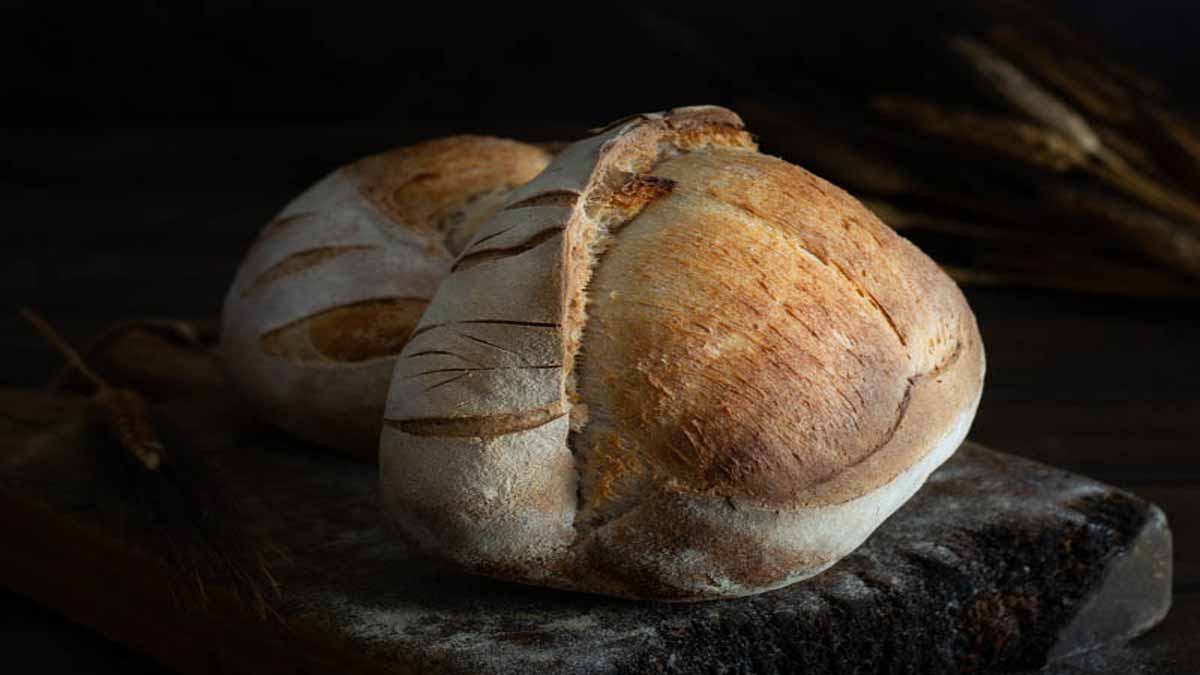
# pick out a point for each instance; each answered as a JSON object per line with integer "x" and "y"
{"x": 672, "y": 367}
{"x": 333, "y": 286}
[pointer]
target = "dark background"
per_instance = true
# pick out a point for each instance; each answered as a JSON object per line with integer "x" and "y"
{"x": 143, "y": 147}
{"x": 222, "y": 63}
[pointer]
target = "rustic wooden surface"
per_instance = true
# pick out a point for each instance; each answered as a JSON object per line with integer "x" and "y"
{"x": 157, "y": 219}
{"x": 999, "y": 562}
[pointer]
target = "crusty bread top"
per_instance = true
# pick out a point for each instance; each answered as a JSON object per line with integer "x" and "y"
{"x": 758, "y": 333}
{"x": 752, "y": 330}
{"x": 432, "y": 196}
{"x": 685, "y": 321}
{"x": 447, "y": 187}
{"x": 332, "y": 288}
{"x": 494, "y": 349}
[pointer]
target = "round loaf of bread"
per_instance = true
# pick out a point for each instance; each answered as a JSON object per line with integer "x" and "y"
{"x": 333, "y": 286}
{"x": 675, "y": 368}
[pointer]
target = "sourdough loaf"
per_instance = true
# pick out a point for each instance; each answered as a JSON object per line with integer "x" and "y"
{"x": 674, "y": 367}
{"x": 332, "y": 287}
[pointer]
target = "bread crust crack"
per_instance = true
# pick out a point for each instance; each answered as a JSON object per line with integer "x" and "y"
{"x": 478, "y": 427}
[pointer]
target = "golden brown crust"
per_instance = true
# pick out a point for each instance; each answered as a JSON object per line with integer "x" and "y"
{"x": 365, "y": 330}
{"x": 758, "y": 333}
{"x": 620, "y": 186}
{"x": 425, "y": 186}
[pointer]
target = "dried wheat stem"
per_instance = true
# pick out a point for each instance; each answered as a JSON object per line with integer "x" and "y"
{"x": 125, "y": 410}
{"x": 57, "y": 341}
{"x": 1118, "y": 173}
{"x": 1003, "y": 136}
{"x": 1085, "y": 84}
{"x": 129, "y": 420}
{"x": 1023, "y": 93}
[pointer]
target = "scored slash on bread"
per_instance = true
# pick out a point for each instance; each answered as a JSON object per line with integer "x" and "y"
{"x": 672, "y": 367}
{"x": 332, "y": 288}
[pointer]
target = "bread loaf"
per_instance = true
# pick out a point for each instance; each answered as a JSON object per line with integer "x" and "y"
{"x": 672, "y": 367}
{"x": 330, "y": 291}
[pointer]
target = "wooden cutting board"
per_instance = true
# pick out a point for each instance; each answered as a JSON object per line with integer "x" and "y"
{"x": 998, "y": 563}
